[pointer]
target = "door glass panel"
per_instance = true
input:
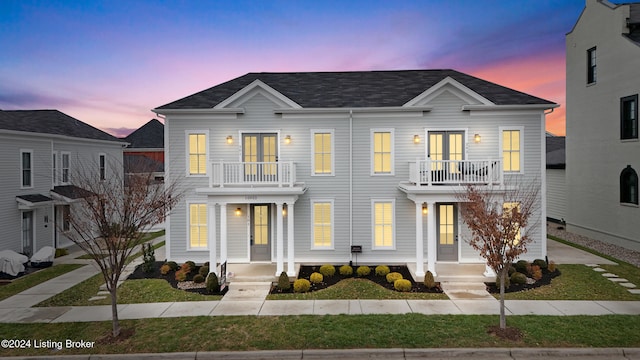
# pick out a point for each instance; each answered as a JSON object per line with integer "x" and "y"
{"x": 269, "y": 154}
{"x": 436, "y": 149}
{"x": 446, "y": 225}
{"x": 261, "y": 225}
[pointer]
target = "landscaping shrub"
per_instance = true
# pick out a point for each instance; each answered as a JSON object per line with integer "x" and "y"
{"x": 518, "y": 278}
{"x": 382, "y": 270}
{"x": 283, "y": 282}
{"x": 181, "y": 275}
{"x": 173, "y": 265}
{"x": 148, "y": 258}
{"x": 511, "y": 270}
{"x": 552, "y": 266}
{"x": 536, "y": 274}
{"x": 212, "y": 283}
{"x": 429, "y": 281}
{"x": 392, "y": 277}
{"x": 192, "y": 265}
{"x": 301, "y": 285}
{"x": 198, "y": 279}
{"x": 327, "y": 270}
{"x": 204, "y": 270}
{"x": 363, "y": 271}
{"x": 540, "y": 263}
{"x": 61, "y": 252}
{"x": 521, "y": 266}
{"x": 164, "y": 269}
{"x": 316, "y": 277}
{"x": 346, "y": 270}
{"x": 403, "y": 285}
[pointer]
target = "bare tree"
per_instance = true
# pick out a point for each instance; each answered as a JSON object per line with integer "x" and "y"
{"x": 112, "y": 214}
{"x": 501, "y": 221}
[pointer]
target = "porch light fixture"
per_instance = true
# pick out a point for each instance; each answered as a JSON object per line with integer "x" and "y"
{"x": 287, "y": 139}
{"x": 416, "y": 139}
{"x": 229, "y": 139}
{"x": 425, "y": 210}
{"x": 238, "y": 212}
{"x": 284, "y": 211}
{"x": 476, "y": 138}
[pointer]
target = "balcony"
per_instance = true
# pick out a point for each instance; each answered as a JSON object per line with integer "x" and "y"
{"x": 253, "y": 174}
{"x": 426, "y": 173}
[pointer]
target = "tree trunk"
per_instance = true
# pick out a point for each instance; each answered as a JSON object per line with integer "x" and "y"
{"x": 503, "y": 318}
{"x": 114, "y": 311}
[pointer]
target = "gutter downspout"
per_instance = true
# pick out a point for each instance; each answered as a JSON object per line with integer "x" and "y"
{"x": 350, "y": 183}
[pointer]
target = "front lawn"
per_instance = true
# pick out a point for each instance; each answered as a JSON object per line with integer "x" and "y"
{"x": 30, "y": 280}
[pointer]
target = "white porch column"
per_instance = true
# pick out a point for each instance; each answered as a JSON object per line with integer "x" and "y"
{"x": 279, "y": 239}
{"x": 419, "y": 241}
{"x": 213, "y": 256}
{"x": 431, "y": 237}
{"x": 223, "y": 232}
{"x": 291, "y": 266}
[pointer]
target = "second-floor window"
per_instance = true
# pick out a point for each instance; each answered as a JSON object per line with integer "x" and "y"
{"x": 101, "y": 166}
{"x": 197, "y": 147}
{"x": 26, "y": 168}
{"x": 382, "y": 152}
{"x": 591, "y": 66}
{"x": 322, "y": 152}
{"x": 629, "y": 117}
{"x": 512, "y": 150}
{"x": 66, "y": 164}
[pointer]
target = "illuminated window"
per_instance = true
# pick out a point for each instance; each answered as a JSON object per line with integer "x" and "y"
{"x": 26, "y": 168}
{"x": 322, "y": 152}
{"x": 629, "y": 117}
{"x": 322, "y": 223}
{"x": 383, "y": 224}
{"x": 511, "y": 150}
{"x": 197, "y": 154}
{"x": 382, "y": 149}
{"x": 197, "y": 225}
{"x": 509, "y": 207}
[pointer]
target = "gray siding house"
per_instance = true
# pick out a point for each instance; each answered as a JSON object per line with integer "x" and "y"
{"x": 40, "y": 150}
{"x": 291, "y": 168}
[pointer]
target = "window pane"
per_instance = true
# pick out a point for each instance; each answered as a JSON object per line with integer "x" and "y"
{"x": 198, "y": 225}
{"x": 383, "y": 224}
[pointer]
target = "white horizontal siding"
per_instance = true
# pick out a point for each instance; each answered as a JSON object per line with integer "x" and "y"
{"x": 556, "y": 194}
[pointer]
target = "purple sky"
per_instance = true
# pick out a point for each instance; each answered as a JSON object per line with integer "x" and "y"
{"x": 109, "y": 63}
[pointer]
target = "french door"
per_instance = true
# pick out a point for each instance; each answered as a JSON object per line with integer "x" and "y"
{"x": 260, "y": 155}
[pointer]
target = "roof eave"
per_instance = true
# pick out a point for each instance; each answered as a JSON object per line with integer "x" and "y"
{"x": 339, "y": 110}
{"x": 509, "y": 107}
{"x": 198, "y": 111}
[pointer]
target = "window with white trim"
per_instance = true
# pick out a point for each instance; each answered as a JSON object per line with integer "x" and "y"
{"x": 383, "y": 224}
{"x": 54, "y": 168}
{"x": 323, "y": 149}
{"x": 512, "y": 206}
{"x": 66, "y": 167}
{"x": 511, "y": 144}
{"x": 198, "y": 226}
{"x": 592, "y": 74}
{"x": 197, "y": 153}
{"x": 629, "y": 117}
{"x": 26, "y": 168}
{"x": 102, "y": 166}
{"x": 322, "y": 218}
{"x": 382, "y": 151}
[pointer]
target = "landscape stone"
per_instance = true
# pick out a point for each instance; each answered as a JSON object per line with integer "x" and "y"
{"x": 96, "y": 298}
{"x": 610, "y": 275}
{"x": 618, "y": 280}
{"x": 599, "y": 269}
{"x": 628, "y": 285}
{"x": 635, "y": 291}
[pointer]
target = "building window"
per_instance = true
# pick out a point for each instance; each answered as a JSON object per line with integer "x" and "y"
{"x": 512, "y": 150}
{"x": 322, "y": 211}
{"x": 629, "y": 117}
{"x": 383, "y": 220}
{"x": 322, "y": 162}
{"x": 629, "y": 186}
{"x": 382, "y": 152}
{"x": 54, "y": 168}
{"x": 511, "y": 206}
{"x": 197, "y": 143}
{"x": 26, "y": 168}
{"x": 591, "y": 66}
{"x": 101, "y": 165}
{"x": 198, "y": 226}
{"x": 66, "y": 217}
{"x": 66, "y": 160}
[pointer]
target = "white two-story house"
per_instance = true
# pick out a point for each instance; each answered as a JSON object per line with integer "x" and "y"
{"x": 291, "y": 168}
{"x": 40, "y": 151}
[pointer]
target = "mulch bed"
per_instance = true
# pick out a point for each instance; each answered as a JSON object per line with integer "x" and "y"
{"x": 547, "y": 276}
{"x": 307, "y": 270}
{"x": 170, "y": 277}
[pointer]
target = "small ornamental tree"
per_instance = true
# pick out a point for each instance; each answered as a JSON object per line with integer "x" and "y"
{"x": 500, "y": 220}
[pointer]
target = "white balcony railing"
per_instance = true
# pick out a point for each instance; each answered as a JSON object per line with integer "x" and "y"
{"x": 279, "y": 174}
{"x": 455, "y": 172}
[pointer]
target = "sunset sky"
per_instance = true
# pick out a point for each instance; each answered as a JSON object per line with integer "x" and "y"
{"x": 108, "y": 63}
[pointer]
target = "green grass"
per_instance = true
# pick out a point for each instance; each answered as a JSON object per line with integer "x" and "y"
{"x": 356, "y": 289}
{"x": 243, "y": 333}
{"x": 147, "y": 237}
{"x": 152, "y": 290}
{"x": 28, "y": 281}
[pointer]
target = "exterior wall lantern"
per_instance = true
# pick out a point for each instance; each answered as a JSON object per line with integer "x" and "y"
{"x": 287, "y": 139}
{"x": 476, "y": 138}
{"x": 238, "y": 211}
{"x": 416, "y": 139}
{"x": 229, "y": 139}
{"x": 425, "y": 210}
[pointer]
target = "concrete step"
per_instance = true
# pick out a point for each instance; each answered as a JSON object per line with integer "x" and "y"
{"x": 247, "y": 291}
{"x": 465, "y": 290}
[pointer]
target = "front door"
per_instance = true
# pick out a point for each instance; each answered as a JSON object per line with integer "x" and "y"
{"x": 260, "y": 154}
{"x": 27, "y": 232}
{"x": 260, "y": 237}
{"x": 445, "y": 145}
{"x": 447, "y": 232}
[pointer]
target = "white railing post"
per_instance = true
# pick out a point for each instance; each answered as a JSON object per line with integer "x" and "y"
{"x": 292, "y": 173}
{"x": 279, "y": 173}
{"x": 221, "y": 176}
{"x": 428, "y": 171}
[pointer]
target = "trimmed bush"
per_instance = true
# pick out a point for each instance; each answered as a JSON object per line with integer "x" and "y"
{"x": 429, "y": 281}
{"x": 204, "y": 270}
{"x": 185, "y": 268}
{"x": 346, "y": 270}
{"x": 403, "y": 285}
{"x": 301, "y": 285}
{"x": 511, "y": 270}
{"x": 164, "y": 269}
{"x": 212, "y": 283}
{"x": 61, "y": 252}
{"x": 536, "y": 274}
{"x": 327, "y": 270}
{"x": 518, "y": 278}
{"x": 392, "y": 277}
{"x": 173, "y": 265}
{"x": 382, "y": 270}
{"x": 363, "y": 271}
{"x": 283, "y": 282}
{"x": 540, "y": 263}
{"x": 521, "y": 266}
{"x": 181, "y": 275}
{"x": 552, "y": 266}
{"x": 316, "y": 278}
{"x": 198, "y": 279}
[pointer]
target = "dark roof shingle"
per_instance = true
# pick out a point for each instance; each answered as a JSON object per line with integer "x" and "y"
{"x": 149, "y": 135}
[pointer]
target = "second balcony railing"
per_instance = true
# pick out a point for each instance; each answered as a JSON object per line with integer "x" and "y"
{"x": 279, "y": 174}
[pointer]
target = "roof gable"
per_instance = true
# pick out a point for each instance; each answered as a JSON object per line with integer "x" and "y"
{"x": 257, "y": 87}
{"x": 449, "y": 84}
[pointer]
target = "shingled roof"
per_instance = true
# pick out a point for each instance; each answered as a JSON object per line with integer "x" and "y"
{"x": 50, "y": 122}
{"x": 353, "y": 89}
{"x": 149, "y": 135}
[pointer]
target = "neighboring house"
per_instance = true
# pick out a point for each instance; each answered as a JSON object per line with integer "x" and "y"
{"x": 40, "y": 151}
{"x": 145, "y": 152}
{"x": 556, "y": 179}
{"x": 603, "y": 151}
{"x": 306, "y": 167}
